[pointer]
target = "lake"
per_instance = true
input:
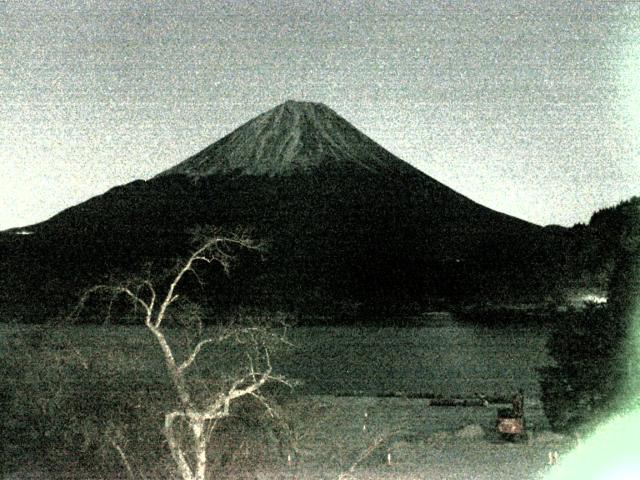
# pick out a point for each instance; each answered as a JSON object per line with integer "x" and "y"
{"x": 448, "y": 358}
{"x": 445, "y": 358}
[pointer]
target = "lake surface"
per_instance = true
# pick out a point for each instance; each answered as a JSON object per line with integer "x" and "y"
{"x": 448, "y": 359}
{"x": 445, "y": 358}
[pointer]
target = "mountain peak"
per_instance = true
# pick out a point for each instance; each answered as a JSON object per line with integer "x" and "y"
{"x": 292, "y": 137}
{"x": 301, "y": 104}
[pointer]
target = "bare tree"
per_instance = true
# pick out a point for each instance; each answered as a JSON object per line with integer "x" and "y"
{"x": 200, "y": 413}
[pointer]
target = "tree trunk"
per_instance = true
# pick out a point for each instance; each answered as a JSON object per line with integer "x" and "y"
{"x": 176, "y": 451}
{"x": 200, "y": 443}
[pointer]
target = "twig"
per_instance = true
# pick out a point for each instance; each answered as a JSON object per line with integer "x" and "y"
{"x": 184, "y": 365}
{"x": 123, "y": 457}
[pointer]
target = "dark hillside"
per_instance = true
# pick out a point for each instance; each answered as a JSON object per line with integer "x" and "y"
{"x": 344, "y": 219}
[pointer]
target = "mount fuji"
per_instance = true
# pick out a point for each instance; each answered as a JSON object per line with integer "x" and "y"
{"x": 345, "y": 221}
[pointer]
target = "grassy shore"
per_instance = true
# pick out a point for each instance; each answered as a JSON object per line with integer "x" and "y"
{"x": 72, "y": 394}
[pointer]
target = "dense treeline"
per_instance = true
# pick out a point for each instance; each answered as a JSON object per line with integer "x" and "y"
{"x": 596, "y": 245}
{"x": 595, "y": 369}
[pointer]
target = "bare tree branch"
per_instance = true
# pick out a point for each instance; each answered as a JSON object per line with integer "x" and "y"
{"x": 214, "y": 247}
{"x": 192, "y": 357}
{"x": 123, "y": 457}
{"x": 211, "y": 250}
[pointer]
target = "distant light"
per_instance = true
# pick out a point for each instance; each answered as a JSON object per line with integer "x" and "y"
{"x": 23, "y": 232}
{"x": 591, "y": 298}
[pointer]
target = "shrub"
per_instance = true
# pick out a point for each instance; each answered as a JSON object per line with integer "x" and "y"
{"x": 583, "y": 384}
{"x": 59, "y": 408}
{"x": 596, "y": 366}
{"x": 76, "y": 407}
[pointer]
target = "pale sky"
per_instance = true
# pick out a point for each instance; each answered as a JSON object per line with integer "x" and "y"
{"x": 531, "y": 108}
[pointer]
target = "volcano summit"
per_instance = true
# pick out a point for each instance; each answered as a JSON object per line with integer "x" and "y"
{"x": 346, "y": 222}
{"x": 291, "y": 138}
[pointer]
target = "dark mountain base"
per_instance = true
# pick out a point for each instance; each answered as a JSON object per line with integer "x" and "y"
{"x": 337, "y": 240}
